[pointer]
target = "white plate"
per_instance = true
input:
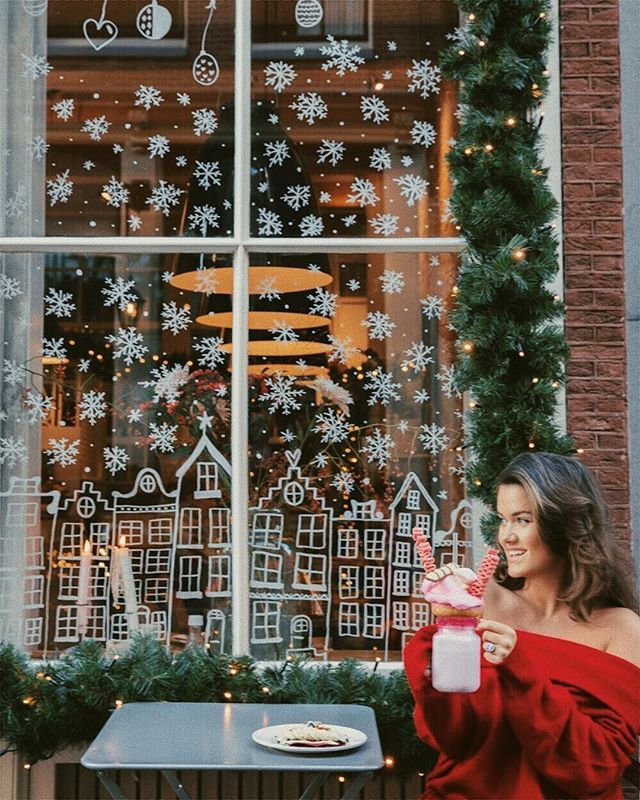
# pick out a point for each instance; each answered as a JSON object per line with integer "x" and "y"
{"x": 269, "y": 738}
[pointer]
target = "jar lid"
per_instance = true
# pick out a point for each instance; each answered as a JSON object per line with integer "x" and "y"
{"x": 194, "y": 620}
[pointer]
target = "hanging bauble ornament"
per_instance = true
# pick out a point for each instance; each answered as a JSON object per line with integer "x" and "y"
{"x": 309, "y": 13}
{"x": 205, "y": 68}
{"x": 154, "y": 21}
{"x": 35, "y": 7}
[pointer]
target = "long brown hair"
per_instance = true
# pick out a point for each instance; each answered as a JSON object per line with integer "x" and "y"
{"x": 572, "y": 520}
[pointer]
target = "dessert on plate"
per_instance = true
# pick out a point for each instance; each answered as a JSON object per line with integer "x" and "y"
{"x": 311, "y": 734}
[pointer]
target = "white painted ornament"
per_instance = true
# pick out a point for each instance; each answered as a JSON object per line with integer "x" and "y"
{"x": 154, "y": 21}
{"x": 309, "y": 13}
{"x": 35, "y": 7}
{"x": 100, "y": 32}
{"x": 205, "y": 68}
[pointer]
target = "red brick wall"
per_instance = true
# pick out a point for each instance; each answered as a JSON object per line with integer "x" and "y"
{"x": 593, "y": 244}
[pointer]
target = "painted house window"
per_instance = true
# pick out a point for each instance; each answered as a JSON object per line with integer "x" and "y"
{"x": 207, "y": 480}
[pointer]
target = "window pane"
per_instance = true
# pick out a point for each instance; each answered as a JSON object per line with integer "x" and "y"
{"x": 115, "y": 433}
{"x": 351, "y": 120}
{"x": 354, "y": 424}
{"x": 135, "y": 131}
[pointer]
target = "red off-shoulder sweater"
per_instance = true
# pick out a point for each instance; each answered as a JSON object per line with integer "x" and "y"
{"x": 555, "y": 721}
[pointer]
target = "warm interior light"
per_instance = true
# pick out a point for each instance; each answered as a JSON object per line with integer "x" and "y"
{"x": 279, "y": 279}
{"x": 282, "y": 349}
{"x": 264, "y": 320}
{"x": 306, "y": 370}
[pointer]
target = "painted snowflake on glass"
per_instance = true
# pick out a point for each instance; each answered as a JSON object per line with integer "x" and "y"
{"x": 309, "y": 107}
{"x": 378, "y": 448}
{"x": 342, "y": 56}
{"x": 174, "y": 318}
{"x": 412, "y": 187}
{"x": 282, "y": 394}
{"x": 276, "y": 152}
{"x": 330, "y": 150}
{"x": 63, "y": 451}
{"x": 206, "y": 281}
{"x": 422, "y": 133}
{"x": 374, "y": 109}
{"x": 39, "y": 406}
{"x": 421, "y": 396}
{"x": 64, "y": 109}
{"x": 92, "y": 406}
{"x": 363, "y": 192}
{"x": 183, "y": 98}
{"x": 60, "y": 188}
{"x": 282, "y": 332}
{"x": 349, "y": 220}
{"x": 119, "y": 292}
{"x": 325, "y": 197}
{"x": 14, "y": 372}
{"x": 54, "y": 348}
{"x": 344, "y": 482}
{"x": 384, "y": 224}
{"x": 417, "y": 357}
{"x": 148, "y": 97}
{"x": 16, "y": 204}
{"x": 163, "y": 437}
{"x": 392, "y": 281}
{"x": 202, "y": 218}
{"x": 205, "y": 121}
{"x": 207, "y": 174}
{"x": 115, "y": 193}
{"x": 379, "y": 325}
{"x": 382, "y": 387}
{"x": 115, "y": 459}
{"x": 267, "y": 288}
{"x": 341, "y": 349}
{"x": 432, "y": 306}
{"x": 38, "y": 147}
{"x": 269, "y": 223}
{"x": 447, "y": 379}
{"x": 380, "y": 159}
{"x": 210, "y": 354}
{"x": 158, "y": 146}
{"x": 311, "y": 225}
{"x": 332, "y": 426}
{"x": 35, "y": 66}
{"x": 96, "y": 127}
{"x": 59, "y": 303}
{"x": 9, "y": 287}
{"x": 166, "y": 382}
{"x": 297, "y": 196}
{"x": 164, "y": 196}
{"x": 323, "y": 303}
{"x": 13, "y": 450}
{"x": 425, "y": 77}
{"x": 433, "y": 438}
{"x": 128, "y": 344}
{"x": 279, "y": 75}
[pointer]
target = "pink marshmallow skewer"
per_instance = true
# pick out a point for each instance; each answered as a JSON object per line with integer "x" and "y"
{"x": 485, "y": 571}
{"x": 424, "y": 549}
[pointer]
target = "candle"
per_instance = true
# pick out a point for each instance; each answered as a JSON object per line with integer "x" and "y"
{"x": 84, "y": 588}
{"x": 122, "y": 583}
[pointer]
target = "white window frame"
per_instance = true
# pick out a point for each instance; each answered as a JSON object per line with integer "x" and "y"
{"x": 240, "y": 245}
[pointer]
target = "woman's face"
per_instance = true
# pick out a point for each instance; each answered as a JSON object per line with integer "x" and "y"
{"x": 519, "y": 537}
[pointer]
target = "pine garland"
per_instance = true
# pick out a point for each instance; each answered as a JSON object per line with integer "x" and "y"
{"x": 512, "y": 350}
{"x": 50, "y": 705}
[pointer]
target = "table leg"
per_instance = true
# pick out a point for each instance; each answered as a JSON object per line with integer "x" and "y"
{"x": 110, "y": 785}
{"x": 318, "y": 780}
{"x": 172, "y": 779}
{"x": 356, "y": 784}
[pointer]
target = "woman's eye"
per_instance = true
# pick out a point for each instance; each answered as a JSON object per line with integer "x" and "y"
{"x": 523, "y": 521}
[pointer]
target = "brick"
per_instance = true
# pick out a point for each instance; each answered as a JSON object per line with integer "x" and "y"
{"x": 607, "y": 117}
{"x": 608, "y": 155}
{"x": 574, "y": 226}
{"x": 576, "y": 334}
{"x": 579, "y": 297}
{"x": 607, "y": 190}
{"x": 586, "y": 136}
{"x": 584, "y": 350}
{"x": 607, "y": 49}
{"x": 586, "y": 208}
{"x": 574, "y": 49}
{"x": 576, "y": 155}
{"x": 611, "y": 369}
{"x": 611, "y": 405}
{"x": 600, "y": 14}
{"x": 576, "y": 84}
{"x": 576, "y": 118}
{"x": 580, "y": 191}
{"x": 608, "y": 226}
{"x": 582, "y": 403}
{"x": 602, "y": 83}
{"x": 580, "y": 31}
{"x": 615, "y": 441}
{"x": 609, "y": 298}
{"x": 594, "y": 385}
{"x": 608, "y": 263}
{"x": 593, "y": 243}
{"x": 610, "y": 333}
{"x": 581, "y": 369}
{"x": 594, "y": 101}
{"x": 588, "y": 279}
{"x": 574, "y": 14}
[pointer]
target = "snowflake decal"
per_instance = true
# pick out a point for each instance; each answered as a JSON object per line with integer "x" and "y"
{"x": 166, "y": 382}
{"x": 433, "y": 438}
{"x": 421, "y": 396}
{"x": 374, "y": 109}
{"x": 96, "y": 127}
{"x": 60, "y": 188}
{"x": 202, "y": 218}
{"x": 38, "y": 405}
{"x": 425, "y": 77}
{"x": 183, "y": 98}
{"x": 63, "y": 451}
{"x": 158, "y": 146}
{"x": 14, "y": 372}
{"x": 115, "y": 459}
{"x": 363, "y": 193}
{"x": 281, "y": 394}
{"x": 417, "y": 357}
{"x": 423, "y": 133}
{"x": 392, "y": 281}
{"x": 163, "y": 437}
{"x": 342, "y": 56}
{"x": 279, "y": 75}
{"x": 38, "y": 147}
{"x": 64, "y": 109}
{"x": 341, "y": 349}
{"x": 118, "y": 292}
{"x": 128, "y": 344}
{"x": 206, "y": 281}
{"x": 432, "y": 306}
{"x": 92, "y": 406}
{"x": 332, "y": 426}
{"x": 379, "y": 325}
{"x": 309, "y": 107}
{"x": 378, "y": 448}
{"x": 204, "y": 121}
{"x": 267, "y": 288}
{"x": 344, "y": 482}
{"x": 210, "y": 353}
{"x": 297, "y": 196}
{"x": 323, "y": 303}
{"x": 269, "y": 223}
{"x": 54, "y": 348}
{"x": 59, "y": 303}
{"x": 384, "y": 224}
{"x": 412, "y": 187}
{"x": 115, "y": 193}
{"x": 164, "y": 196}
{"x": 382, "y": 387}
{"x": 174, "y": 318}
{"x": 9, "y": 287}
{"x": 276, "y": 152}
{"x": 447, "y": 379}
{"x": 282, "y": 332}
{"x": 330, "y": 150}
{"x": 311, "y": 225}
{"x": 148, "y": 97}
{"x": 207, "y": 174}
{"x": 35, "y": 66}
{"x": 380, "y": 159}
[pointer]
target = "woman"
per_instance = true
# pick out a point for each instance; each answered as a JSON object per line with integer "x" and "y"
{"x": 556, "y": 715}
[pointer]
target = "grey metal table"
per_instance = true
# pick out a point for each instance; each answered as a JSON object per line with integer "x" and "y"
{"x": 217, "y": 736}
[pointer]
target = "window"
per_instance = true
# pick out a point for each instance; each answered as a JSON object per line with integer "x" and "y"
{"x": 423, "y": 521}
{"x": 33, "y": 591}
{"x": 401, "y": 615}
{"x": 161, "y": 326}
{"x": 421, "y": 615}
{"x": 418, "y": 580}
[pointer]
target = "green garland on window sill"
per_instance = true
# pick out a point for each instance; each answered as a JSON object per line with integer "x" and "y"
{"x": 46, "y": 706}
{"x": 512, "y": 350}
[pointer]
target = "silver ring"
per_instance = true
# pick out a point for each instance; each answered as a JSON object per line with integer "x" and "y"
{"x": 489, "y": 647}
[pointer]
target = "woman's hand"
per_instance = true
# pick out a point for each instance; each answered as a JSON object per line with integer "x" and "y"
{"x": 498, "y": 640}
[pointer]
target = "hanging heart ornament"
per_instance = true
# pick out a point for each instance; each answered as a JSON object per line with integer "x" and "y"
{"x": 100, "y": 32}
{"x": 154, "y": 21}
{"x": 309, "y": 13}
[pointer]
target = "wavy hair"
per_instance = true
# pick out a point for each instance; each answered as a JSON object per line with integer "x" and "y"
{"x": 573, "y": 524}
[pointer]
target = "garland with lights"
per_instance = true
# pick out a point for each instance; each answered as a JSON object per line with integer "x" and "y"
{"x": 512, "y": 350}
{"x": 46, "y": 706}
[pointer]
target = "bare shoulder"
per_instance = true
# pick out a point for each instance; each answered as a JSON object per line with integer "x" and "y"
{"x": 500, "y": 603}
{"x": 624, "y": 627}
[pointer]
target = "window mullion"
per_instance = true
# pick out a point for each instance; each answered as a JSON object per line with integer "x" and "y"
{"x": 240, "y": 335}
